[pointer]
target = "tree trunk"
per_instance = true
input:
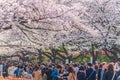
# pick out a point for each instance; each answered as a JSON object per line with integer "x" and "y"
{"x": 93, "y": 55}
{"x": 40, "y": 55}
{"x": 40, "y": 58}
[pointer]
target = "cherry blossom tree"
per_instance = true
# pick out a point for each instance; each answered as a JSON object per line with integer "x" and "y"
{"x": 50, "y": 23}
{"x": 102, "y": 16}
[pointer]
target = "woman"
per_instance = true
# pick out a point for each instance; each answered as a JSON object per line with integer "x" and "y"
{"x": 11, "y": 70}
{"x": 110, "y": 73}
{"x": 37, "y": 74}
{"x": 81, "y": 74}
{"x": 72, "y": 75}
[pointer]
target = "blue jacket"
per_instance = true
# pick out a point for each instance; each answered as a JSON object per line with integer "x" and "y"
{"x": 90, "y": 74}
{"x": 16, "y": 72}
{"x": 55, "y": 74}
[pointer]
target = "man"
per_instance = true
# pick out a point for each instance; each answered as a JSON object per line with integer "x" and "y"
{"x": 101, "y": 71}
{"x": 55, "y": 72}
{"x": 90, "y": 72}
{"x": 16, "y": 72}
{"x": 5, "y": 69}
{"x": 49, "y": 72}
{"x": 76, "y": 68}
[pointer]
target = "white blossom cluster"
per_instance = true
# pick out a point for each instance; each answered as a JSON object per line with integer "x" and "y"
{"x": 49, "y": 23}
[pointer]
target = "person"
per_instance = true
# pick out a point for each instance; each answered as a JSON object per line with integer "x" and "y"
{"x": 16, "y": 72}
{"x": 55, "y": 73}
{"x": 99, "y": 77}
{"x": 28, "y": 70}
{"x": 90, "y": 72}
{"x": 37, "y": 74}
{"x": 81, "y": 74}
{"x": 72, "y": 74}
{"x": 5, "y": 70}
{"x": 116, "y": 66}
{"x": 44, "y": 75}
{"x": 96, "y": 68}
{"x": 11, "y": 70}
{"x": 101, "y": 71}
{"x": 1, "y": 69}
{"x": 76, "y": 68}
{"x": 65, "y": 74}
{"x": 49, "y": 72}
{"x": 110, "y": 73}
{"x": 118, "y": 71}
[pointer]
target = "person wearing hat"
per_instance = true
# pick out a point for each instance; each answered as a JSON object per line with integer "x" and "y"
{"x": 90, "y": 72}
{"x": 81, "y": 73}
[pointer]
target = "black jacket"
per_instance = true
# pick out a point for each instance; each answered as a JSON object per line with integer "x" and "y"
{"x": 99, "y": 73}
{"x": 91, "y": 74}
{"x": 48, "y": 73}
{"x": 108, "y": 75}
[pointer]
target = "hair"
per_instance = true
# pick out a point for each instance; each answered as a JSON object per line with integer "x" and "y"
{"x": 71, "y": 70}
{"x": 118, "y": 63}
{"x": 100, "y": 66}
{"x": 50, "y": 66}
{"x": 81, "y": 68}
{"x": 36, "y": 68}
{"x": 96, "y": 66}
{"x": 103, "y": 63}
{"x": 75, "y": 65}
{"x": 58, "y": 66}
{"x": 111, "y": 68}
{"x": 89, "y": 64}
{"x": 82, "y": 63}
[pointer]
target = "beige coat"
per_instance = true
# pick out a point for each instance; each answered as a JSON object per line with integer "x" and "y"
{"x": 72, "y": 76}
{"x": 38, "y": 75}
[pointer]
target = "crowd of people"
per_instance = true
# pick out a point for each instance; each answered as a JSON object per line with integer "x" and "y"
{"x": 50, "y": 71}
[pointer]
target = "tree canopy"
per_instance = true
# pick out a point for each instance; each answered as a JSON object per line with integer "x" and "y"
{"x": 44, "y": 24}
